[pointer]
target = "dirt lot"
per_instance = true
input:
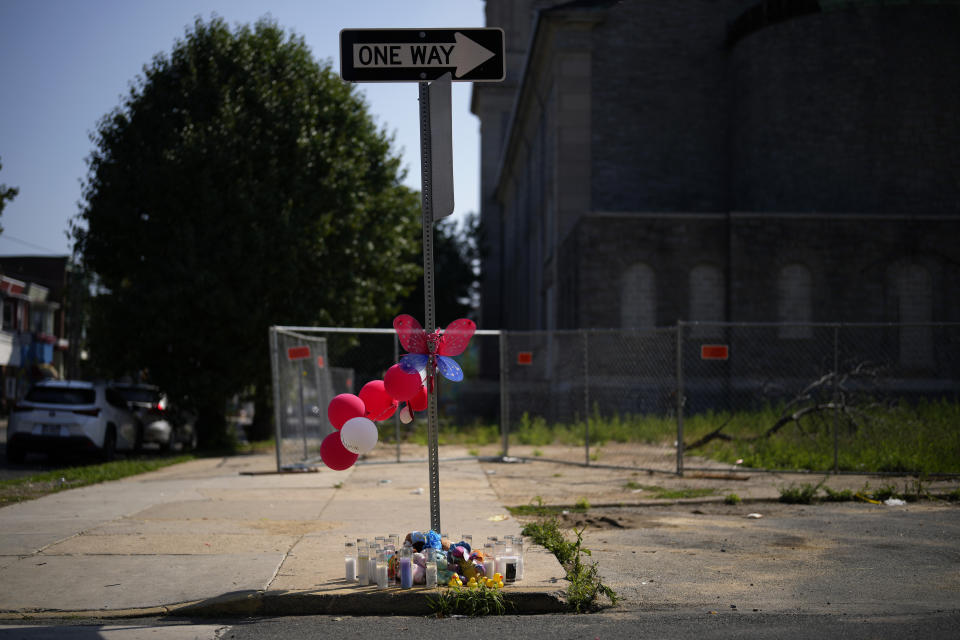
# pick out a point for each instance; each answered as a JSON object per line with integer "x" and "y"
{"x": 668, "y": 553}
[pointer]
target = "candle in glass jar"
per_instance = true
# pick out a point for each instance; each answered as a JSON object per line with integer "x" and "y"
{"x": 382, "y": 570}
{"x": 431, "y": 573}
{"x": 406, "y": 567}
{"x": 362, "y": 562}
{"x": 350, "y": 563}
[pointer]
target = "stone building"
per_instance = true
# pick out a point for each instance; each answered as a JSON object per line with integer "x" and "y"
{"x": 649, "y": 161}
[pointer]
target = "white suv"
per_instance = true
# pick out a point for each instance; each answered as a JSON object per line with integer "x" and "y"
{"x": 71, "y": 416}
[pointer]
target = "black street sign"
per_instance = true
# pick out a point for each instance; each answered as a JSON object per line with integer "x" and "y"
{"x": 421, "y": 55}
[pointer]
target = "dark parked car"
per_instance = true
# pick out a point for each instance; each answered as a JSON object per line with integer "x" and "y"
{"x": 160, "y": 422}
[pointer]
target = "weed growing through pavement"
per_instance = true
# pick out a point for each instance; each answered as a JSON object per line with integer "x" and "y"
{"x": 804, "y": 494}
{"x": 732, "y": 499}
{"x": 913, "y": 490}
{"x": 843, "y": 495}
{"x": 585, "y": 586}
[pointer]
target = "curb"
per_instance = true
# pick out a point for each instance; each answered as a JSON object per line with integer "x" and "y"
{"x": 413, "y": 602}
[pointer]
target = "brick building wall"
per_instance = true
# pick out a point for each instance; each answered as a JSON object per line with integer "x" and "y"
{"x": 802, "y": 168}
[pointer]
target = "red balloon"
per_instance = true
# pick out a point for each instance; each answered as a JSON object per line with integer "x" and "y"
{"x": 401, "y": 385}
{"x": 343, "y": 407}
{"x": 419, "y": 401}
{"x": 378, "y": 402}
{"x": 334, "y": 454}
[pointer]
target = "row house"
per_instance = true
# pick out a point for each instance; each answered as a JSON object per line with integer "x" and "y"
{"x": 33, "y": 341}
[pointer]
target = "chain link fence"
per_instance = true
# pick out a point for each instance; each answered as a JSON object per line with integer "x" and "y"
{"x": 821, "y": 397}
{"x": 302, "y": 388}
{"x": 694, "y": 397}
{"x": 467, "y": 410}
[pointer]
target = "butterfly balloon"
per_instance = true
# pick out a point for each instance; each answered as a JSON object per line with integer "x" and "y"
{"x": 435, "y": 349}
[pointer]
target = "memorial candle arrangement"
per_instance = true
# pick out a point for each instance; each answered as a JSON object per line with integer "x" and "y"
{"x": 431, "y": 559}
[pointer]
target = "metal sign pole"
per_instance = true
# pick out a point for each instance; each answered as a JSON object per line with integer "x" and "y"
{"x": 430, "y": 321}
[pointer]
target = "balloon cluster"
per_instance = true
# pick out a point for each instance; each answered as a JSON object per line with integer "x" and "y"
{"x": 354, "y": 416}
{"x": 402, "y": 387}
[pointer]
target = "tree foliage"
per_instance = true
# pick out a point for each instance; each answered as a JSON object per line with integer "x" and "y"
{"x": 457, "y": 271}
{"x": 6, "y": 194}
{"x": 240, "y": 184}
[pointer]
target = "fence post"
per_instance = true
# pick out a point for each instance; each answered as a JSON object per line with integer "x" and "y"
{"x": 504, "y": 397}
{"x": 680, "y": 398}
{"x": 836, "y": 398}
{"x": 586, "y": 397}
{"x": 275, "y": 366}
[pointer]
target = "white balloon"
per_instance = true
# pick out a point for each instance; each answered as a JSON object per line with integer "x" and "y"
{"x": 359, "y": 435}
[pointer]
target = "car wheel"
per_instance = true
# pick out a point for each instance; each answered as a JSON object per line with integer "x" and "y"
{"x": 109, "y": 450}
{"x": 16, "y": 454}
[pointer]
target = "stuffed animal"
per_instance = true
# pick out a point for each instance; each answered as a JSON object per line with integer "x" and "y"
{"x": 433, "y": 540}
{"x": 461, "y": 556}
{"x": 417, "y": 540}
{"x": 419, "y": 568}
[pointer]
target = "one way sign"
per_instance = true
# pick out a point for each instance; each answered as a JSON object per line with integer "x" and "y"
{"x": 421, "y": 55}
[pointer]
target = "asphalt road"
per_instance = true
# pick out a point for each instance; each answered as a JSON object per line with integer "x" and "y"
{"x": 846, "y": 558}
{"x": 610, "y": 625}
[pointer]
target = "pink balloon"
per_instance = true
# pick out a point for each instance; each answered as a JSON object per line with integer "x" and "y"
{"x": 378, "y": 402}
{"x": 401, "y": 385}
{"x": 343, "y": 407}
{"x": 419, "y": 401}
{"x": 334, "y": 454}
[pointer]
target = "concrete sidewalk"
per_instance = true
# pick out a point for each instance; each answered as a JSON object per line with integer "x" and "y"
{"x": 228, "y": 537}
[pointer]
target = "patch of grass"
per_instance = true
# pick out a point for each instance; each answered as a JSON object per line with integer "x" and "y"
{"x": 536, "y": 508}
{"x": 885, "y": 492}
{"x": 844, "y": 495}
{"x": 259, "y": 446}
{"x": 35, "y": 486}
{"x": 479, "y": 600}
{"x": 473, "y": 452}
{"x": 338, "y": 485}
{"x": 804, "y": 494}
{"x": 732, "y": 499}
{"x": 537, "y": 453}
{"x": 656, "y": 492}
{"x": 680, "y": 494}
{"x": 470, "y": 601}
{"x": 585, "y": 586}
{"x": 954, "y": 496}
{"x": 887, "y": 436}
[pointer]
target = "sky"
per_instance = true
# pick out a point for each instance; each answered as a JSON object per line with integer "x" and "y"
{"x": 64, "y": 64}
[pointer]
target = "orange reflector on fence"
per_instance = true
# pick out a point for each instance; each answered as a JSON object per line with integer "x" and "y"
{"x": 525, "y": 357}
{"x": 714, "y": 352}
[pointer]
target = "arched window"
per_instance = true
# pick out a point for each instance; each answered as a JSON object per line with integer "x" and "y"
{"x": 638, "y": 297}
{"x": 914, "y": 304}
{"x": 707, "y": 295}
{"x": 795, "y": 301}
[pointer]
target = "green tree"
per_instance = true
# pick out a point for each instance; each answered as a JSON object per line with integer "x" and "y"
{"x": 6, "y": 194}
{"x": 457, "y": 272}
{"x": 239, "y": 184}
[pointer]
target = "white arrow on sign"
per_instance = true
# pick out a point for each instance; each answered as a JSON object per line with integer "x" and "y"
{"x": 464, "y": 54}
